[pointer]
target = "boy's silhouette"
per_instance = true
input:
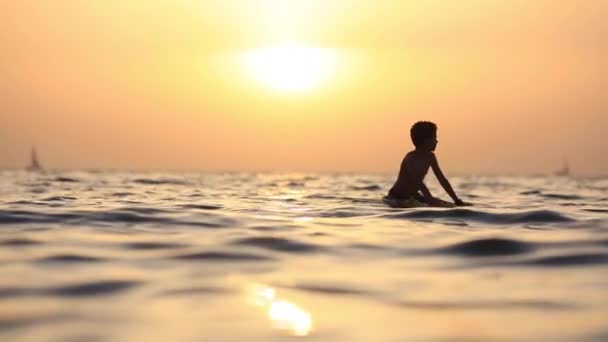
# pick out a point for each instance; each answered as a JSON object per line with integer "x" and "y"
{"x": 409, "y": 186}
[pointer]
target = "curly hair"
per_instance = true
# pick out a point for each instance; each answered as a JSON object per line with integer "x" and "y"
{"x": 422, "y": 130}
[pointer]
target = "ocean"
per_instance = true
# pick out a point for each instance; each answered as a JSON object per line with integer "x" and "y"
{"x": 161, "y": 256}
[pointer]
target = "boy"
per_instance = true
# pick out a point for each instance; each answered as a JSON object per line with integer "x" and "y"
{"x": 414, "y": 167}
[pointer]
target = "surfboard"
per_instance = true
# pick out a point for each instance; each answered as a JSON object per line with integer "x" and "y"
{"x": 413, "y": 203}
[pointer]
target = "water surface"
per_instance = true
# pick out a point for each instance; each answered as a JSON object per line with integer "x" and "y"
{"x": 125, "y": 256}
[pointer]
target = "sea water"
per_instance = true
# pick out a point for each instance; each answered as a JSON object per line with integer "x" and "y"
{"x": 151, "y": 256}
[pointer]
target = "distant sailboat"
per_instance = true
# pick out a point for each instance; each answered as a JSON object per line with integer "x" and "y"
{"x": 564, "y": 171}
{"x": 35, "y": 163}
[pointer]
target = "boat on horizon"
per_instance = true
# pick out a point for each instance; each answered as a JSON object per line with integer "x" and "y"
{"x": 564, "y": 171}
{"x": 35, "y": 164}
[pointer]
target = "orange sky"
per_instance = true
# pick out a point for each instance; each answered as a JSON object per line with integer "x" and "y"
{"x": 513, "y": 85}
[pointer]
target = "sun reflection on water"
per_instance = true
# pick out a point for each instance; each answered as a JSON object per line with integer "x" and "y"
{"x": 282, "y": 313}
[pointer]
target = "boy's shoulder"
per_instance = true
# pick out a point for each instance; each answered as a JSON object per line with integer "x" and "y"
{"x": 417, "y": 155}
{"x": 408, "y": 156}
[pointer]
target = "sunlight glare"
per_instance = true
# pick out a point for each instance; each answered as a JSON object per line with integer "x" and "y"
{"x": 284, "y": 314}
{"x": 290, "y": 68}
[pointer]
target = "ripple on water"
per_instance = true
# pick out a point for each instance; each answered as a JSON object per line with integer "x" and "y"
{"x": 372, "y": 187}
{"x": 368, "y": 246}
{"x": 16, "y": 321}
{"x": 24, "y": 202}
{"x": 530, "y": 192}
{"x": 16, "y": 242}
{"x": 321, "y": 196}
{"x": 326, "y": 289}
{"x": 482, "y": 304}
{"x": 534, "y": 216}
{"x": 596, "y": 210}
{"x": 63, "y": 179}
{"x": 11, "y": 292}
{"x": 196, "y": 290}
{"x": 201, "y": 206}
{"x": 222, "y": 256}
{"x": 587, "y": 259}
{"x": 69, "y": 259}
{"x": 279, "y": 244}
{"x": 93, "y": 288}
{"x": 487, "y": 305}
{"x": 119, "y": 216}
{"x": 145, "y": 245}
{"x": 488, "y": 247}
{"x": 283, "y": 227}
{"x": 562, "y": 196}
{"x": 23, "y": 216}
{"x": 164, "y": 181}
{"x": 143, "y": 210}
{"x": 122, "y": 194}
{"x": 344, "y": 213}
{"x": 59, "y": 199}
{"x": 552, "y": 261}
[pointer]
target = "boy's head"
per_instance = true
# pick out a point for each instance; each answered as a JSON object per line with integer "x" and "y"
{"x": 424, "y": 135}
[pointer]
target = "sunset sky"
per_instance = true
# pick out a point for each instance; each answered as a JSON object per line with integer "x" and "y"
{"x": 514, "y": 86}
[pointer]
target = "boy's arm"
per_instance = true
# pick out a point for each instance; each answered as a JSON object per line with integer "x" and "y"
{"x": 425, "y": 191}
{"x": 444, "y": 181}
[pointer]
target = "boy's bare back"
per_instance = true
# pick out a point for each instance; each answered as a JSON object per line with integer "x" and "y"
{"x": 414, "y": 168}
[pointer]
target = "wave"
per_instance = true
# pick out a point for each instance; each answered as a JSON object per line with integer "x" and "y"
{"x": 162, "y": 181}
{"x": 93, "y": 288}
{"x": 206, "y": 215}
{"x": 69, "y": 258}
{"x": 83, "y": 289}
{"x": 122, "y": 194}
{"x": 201, "y": 206}
{"x": 346, "y": 212}
{"x": 531, "y": 192}
{"x": 587, "y": 259}
{"x": 562, "y": 196}
{"x": 222, "y": 257}
{"x": 552, "y": 195}
{"x": 25, "y": 320}
{"x": 279, "y": 244}
{"x": 59, "y": 199}
{"x": 321, "y": 196}
{"x": 117, "y": 216}
{"x": 328, "y": 289}
{"x": 486, "y": 305}
{"x": 471, "y": 304}
{"x": 488, "y": 247}
{"x": 18, "y": 242}
{"x": 596, "y": 210}
{"x": 196, "y": 290}
{"x": 551, "y": 261}
{"x": 533, "y": 216}
{"x": 63, "y": 179}
{"x": 372, "y": 187}
{"x": 145, "y": 245}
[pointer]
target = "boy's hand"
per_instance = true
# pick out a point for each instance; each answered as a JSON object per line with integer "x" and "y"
{"x": 436, "y": 202}
{"x": 461, "y": 203}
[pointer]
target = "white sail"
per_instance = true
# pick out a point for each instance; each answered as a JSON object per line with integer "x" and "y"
{"x": 35, "y": 163}
{"x": 564, "y": 171}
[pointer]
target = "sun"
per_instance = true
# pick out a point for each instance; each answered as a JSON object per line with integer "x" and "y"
{"x": 290, "y": 68}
